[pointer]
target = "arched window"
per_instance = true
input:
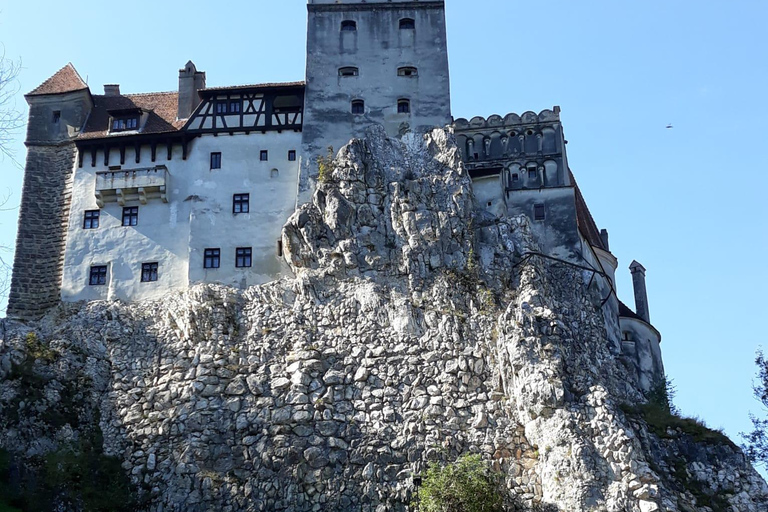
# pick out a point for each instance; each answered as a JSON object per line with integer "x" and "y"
{"x": 348, "y": 26}
{"x": 407, "y": 24}
{"x": 349, "y": 71}
{"x": 403, "y": 106}
{"x": 407, "y": 71}
{"x": 358, "y": 107}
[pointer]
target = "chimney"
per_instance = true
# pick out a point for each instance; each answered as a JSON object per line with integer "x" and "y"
{"x": 604, "y": 239}
{"x": 112, "y": 90}
{"x": 190, "y": 81}
{"x": 641, "y": 296}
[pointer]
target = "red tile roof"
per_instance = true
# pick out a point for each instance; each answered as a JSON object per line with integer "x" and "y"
{"x": 162, "y": 108}
{"x": 64, "y": 80}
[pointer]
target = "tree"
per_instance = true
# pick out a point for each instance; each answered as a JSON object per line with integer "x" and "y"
{"x": 757, "y": 440}
{"x": 11, "y": 119}
{"x": 467, "y": 485}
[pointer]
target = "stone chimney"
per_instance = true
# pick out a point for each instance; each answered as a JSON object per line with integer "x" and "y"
{"x": 190, "y": 81}
{"x": 604, "y": 239}
{"x": 112, "y": 90}
{"x": 641, "y": 296}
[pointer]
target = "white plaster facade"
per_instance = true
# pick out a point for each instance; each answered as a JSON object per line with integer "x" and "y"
{"x": 198, "y": 214}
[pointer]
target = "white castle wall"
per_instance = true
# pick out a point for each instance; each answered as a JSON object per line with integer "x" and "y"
{"x": 198, "y": 215}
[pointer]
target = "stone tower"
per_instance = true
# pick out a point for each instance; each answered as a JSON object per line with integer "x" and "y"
{"x": 57, "y": 111}
{"x": 374, "y": 61}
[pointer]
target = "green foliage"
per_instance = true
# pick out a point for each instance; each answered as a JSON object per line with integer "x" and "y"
{"x": 325, "y": 166}
{"x": 756, "y": 447}
{"x": 36, "y": 349}
{"x": 467, "y": 485}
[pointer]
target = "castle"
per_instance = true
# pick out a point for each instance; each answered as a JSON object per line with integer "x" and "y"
{"x": 130, "y": 196}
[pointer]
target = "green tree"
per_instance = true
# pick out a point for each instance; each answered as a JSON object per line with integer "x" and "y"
{"x": 757, "y": 440}
{"x": 467, "y": 485}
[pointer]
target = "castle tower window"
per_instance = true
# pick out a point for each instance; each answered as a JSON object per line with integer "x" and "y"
{"x": 403, "y": 106}
{"x": 91, "y": 219}
{"x": 243, "y": 257}
{"x": 532, "y": 173}
{"x": 130, "y": 216}
{"x": 215, "y": 160}
{"x": 148, "y": 272}
{"x": 212, "y": 258}
{"x": 407, "y": 71}
{"x": 349, "y": 71}
{"x": 515, "y": 177}
{"x": 358, "y": 107}
{"x": 407, "y": 24}
{"x": 264, "y": 155}
{"x": 241, "y": 203}
{"x": 348, "y": 26}
{"x": 56, "y": 116}
{"x": 98, "y": 275}
{"x": 539, "y": 212}
{"x": 292, "y": 155}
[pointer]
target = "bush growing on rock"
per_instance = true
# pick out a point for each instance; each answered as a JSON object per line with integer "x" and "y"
{"x": 467, "y": 485}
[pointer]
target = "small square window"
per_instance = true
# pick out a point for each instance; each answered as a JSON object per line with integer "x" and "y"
{"x": 358, "y": 107}
{"x": 130, "y": 216}
{"x": 91, "y": 219}
{"x": 240, "y": 203}
{"x": 264, "y": 155}
{"x": 539, "y": 213}
{"x": 148, "y": 272}
{"x": 98, "y": 275}
{"x": 215, "y": 160}
{"x": 56, "y": 116}
{"x": 243, "y": 257}
{"x": 212, "y": 258}
{"x": 292, "y": 155}
{"x": 515, "y": 177}
{"x": 403, "y": 107}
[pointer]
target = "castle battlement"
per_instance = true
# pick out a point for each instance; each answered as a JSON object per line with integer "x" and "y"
{"x": 512, "y": 120}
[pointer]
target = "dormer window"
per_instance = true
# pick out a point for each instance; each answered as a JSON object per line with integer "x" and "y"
{"x": 407, "y": 71}
{"x": 348, "y": 26}
{"x": 407, "y": 24}
{"x": 349, "y": 71}
{"x": 123, "y": 124}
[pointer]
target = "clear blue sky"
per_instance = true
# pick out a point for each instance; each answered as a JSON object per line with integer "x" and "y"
{"x": 687, "y": 202}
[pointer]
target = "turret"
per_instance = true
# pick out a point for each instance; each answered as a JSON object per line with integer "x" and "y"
{"x": 190, "y": 82}
{"x": 641, "y": 296}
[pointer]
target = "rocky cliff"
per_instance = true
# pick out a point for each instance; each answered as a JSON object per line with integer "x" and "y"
{"x": 415, "y": 329}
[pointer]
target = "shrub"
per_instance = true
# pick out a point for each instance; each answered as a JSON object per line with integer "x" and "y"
{"x": 325, "y": 166}
{"x": 467, "y": 485}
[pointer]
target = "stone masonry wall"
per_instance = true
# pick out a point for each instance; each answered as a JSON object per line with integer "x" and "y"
{"x": 43, "y": 220}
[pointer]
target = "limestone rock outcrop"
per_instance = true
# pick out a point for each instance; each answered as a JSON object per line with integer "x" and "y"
{"x": 413, "y": 331}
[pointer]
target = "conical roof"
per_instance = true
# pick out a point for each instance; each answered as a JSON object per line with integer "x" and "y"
{"x": 67, "y": 79}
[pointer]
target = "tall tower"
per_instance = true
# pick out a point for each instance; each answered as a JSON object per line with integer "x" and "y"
{"x": 374, "y": 61}
{"x": 57, "y": 111}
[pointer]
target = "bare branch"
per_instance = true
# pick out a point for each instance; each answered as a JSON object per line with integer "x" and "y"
{"x": 11, "y": 119}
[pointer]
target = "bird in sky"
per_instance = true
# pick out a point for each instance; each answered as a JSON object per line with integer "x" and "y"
{"x": 669, "y": 126}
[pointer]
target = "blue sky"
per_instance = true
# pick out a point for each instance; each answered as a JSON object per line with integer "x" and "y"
{"x": 687, "y": 202}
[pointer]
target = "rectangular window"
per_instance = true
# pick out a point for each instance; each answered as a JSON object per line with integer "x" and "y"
{"x": 264, "y": 155}
{"x": 539, "y": 213}
{"x": 292, "y": 155}
{"x": 130, "y": 216}
{"x": 215, "y": 160}
{"x": 212, "y": 258}
{"x": 148, "y": 272}
{"x": 98, "y": 275}
{"x": 240, "y": 203}
{"x": 125, "y": 123}
{"x": 243, "y": 257}
{"x": 56, "y": 116}
{"x": 221, "y": 107}
{"x": 234, "y": 107}
{"x": 532, "y": 174}
{"x": 515, "y": 177}
{"x": 91, "y": 219}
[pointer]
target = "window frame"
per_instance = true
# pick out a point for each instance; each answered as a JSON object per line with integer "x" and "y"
{"x": 212, "y": 258}
{"x": 349, "y": 71}
{"x": 215, "y": 160}
{"x": 99, "y": 272}
{"x": 91, "y": 219}
{"x": 124, "y": 123}
{"x": 539, "y": 211}
{"x": 131, "y": 213}
{"x": 264, "y": 155}
{"x": 241, "y": 203}
{"x": 348, "y": 26}
{"x": 533, "y": 173}
{"x": 291, "y": 155}
{"x": 408, "y": 71}
{"x": 149, "y": 272}
{"x": 358, "y": 107}
{"x": 407, "y": 24}
{"x": 403, "y": 106}
{"x": 244, "y": 257}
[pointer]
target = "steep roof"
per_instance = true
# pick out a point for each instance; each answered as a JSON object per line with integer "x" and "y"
{"x": 627, "y": 312}
{"x": 67, "y": 79}
{"x": 161, "y": 106}
{"x": 587, "y": 225}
